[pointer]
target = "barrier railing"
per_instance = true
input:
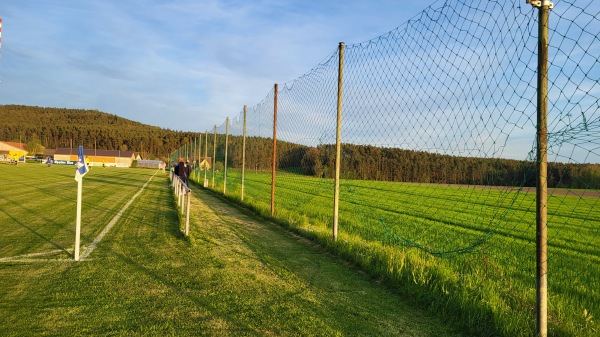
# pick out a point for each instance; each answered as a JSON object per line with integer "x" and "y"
{"x": 184, "y": 195}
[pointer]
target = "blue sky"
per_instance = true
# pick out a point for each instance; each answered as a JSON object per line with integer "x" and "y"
{"x": 178, "y": 64}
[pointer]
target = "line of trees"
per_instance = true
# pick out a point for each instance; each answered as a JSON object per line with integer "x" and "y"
{"x": 54, "y": 127}
{"x": 365, "y": 162}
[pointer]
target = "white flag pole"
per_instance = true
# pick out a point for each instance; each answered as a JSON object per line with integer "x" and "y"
{"x": 78, "y": 221}
{"x": 81, "y": 170}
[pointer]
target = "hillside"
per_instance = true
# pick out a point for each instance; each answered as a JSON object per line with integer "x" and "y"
{"x": 61, "y": 127}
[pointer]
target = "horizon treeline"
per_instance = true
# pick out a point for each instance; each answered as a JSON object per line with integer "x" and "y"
{"x": 57, "y": 127}
{"x": 60, "y": 127}
{"x": 367, "y": 162}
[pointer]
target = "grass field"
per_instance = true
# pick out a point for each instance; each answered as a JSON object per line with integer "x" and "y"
{"x": 234, "y": 275}
{"x": 465, "y": 251}
{"x": 38, "y": 205}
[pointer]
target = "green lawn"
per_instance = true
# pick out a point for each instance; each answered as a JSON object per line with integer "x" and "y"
{"x": 473, "y": 247}
{"x": 235, "y": 275}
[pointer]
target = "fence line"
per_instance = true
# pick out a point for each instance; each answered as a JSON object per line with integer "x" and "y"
{"x": 181, "y": 191}
{"x": 440, "y": 147}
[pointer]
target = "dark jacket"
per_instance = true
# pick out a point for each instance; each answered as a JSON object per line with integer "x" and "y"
{"x": 180, "y": 170}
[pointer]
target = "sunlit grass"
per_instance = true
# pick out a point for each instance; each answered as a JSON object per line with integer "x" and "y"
{"x": 234, "y": 275}
{"x": 464, "y": 251}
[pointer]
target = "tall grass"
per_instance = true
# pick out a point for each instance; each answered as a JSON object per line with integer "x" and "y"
{"x": 464, "y": 252}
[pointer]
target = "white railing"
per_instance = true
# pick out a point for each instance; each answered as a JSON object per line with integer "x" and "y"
{"x": 181, "y": 191}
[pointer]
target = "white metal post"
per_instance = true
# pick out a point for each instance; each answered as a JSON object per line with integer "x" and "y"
{"x": 78, "y": 221}
{"x": 187, "y": 216}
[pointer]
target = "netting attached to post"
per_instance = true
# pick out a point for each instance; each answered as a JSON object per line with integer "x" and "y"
{"x": 438, "y": 159}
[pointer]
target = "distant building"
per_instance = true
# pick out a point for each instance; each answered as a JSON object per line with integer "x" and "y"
{"x": 150, "y": 163}
{"x": 48, "y": 153}
{"x": 205, "y": 163}
{"x": 109, "y": 158}
{"x": 12, "y": 151}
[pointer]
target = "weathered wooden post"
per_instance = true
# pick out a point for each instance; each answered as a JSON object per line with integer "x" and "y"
{"x": 274, "y": 163}
{"x": 338, "y": 143}
{"x": 214, "y": 160}
{"x": 226, "y": 149}
{"x": 206, "y": 158}
{"x": 544, "y": 7}
{"x": 243, "y": 153}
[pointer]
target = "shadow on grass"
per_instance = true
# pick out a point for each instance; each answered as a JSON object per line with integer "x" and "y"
{"x": 205, "y": 304}
{"x": 45, "y": 239}
{"x": 169, "y": 222}
{"x": 472, "y": 319}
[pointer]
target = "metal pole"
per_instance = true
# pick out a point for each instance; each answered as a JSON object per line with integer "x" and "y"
{"x": 542, "y": 167}
{"x": 214, "y": 156}
{"x": 338, "y": 143}
{"x": 187, "y": 216}
{"x": 274, "y": 163}
{"x": 78, "y": 220}
{"x": 243, "y": 153}
{"x": 181, "y": 196}
{"x": 226, "y": 149}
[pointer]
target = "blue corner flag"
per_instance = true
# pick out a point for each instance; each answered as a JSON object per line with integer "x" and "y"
{"x": 82, "y": 168}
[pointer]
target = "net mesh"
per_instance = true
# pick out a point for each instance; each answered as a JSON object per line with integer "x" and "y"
{"x": 438, "y": 154}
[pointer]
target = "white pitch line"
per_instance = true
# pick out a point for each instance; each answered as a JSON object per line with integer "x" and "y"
{"x": 23, "y": 260}
{"x": 28, "y": 256}
{"x": 112, "y": 222}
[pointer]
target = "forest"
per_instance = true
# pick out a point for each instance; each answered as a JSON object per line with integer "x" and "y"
{"x": 56, "y": 127}
{"x": 366, "y": 162}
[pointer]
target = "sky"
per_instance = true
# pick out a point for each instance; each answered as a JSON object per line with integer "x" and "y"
{"x": 184, "y": 65}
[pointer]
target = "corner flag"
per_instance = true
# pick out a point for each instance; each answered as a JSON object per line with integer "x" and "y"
{"x": 82, "y": 168}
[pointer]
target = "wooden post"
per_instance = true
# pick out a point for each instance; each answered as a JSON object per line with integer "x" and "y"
{"x": 243, "y": 153}
{"x": 205, "y": 157}
{"x": 191, "y": 160}
{"x": 226, "y": 149}
{"x": 199, "y": 148}
{"x": 542, "y": 174}
{"x": 338, "y": 143}
{"x": 274, "y": 163}
{"x": 199, "y": 155}
{"x": 214, "y": 160}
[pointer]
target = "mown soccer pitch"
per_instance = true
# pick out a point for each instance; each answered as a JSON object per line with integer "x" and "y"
{"x": 466, "y": 252}
{"x": 38, "y": 208}
{"x": 235, "y": 275}
{"x": 474, "y": 245}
